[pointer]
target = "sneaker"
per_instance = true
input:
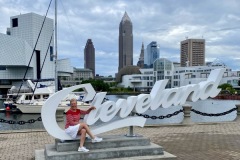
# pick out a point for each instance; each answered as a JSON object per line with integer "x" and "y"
{"x": 83, "y": 149}
{"x": 96, "y": 139}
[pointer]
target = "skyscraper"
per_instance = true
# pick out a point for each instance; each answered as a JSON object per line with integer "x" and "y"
{"x": 152, "y": 53}
{"x": 89, "y": 56}
{"x": 125, "y": 42}
{"x": 140, "y": 62}
{"x": 192, "y": 52}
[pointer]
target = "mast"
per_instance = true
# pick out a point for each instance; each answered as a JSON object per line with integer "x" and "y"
{"x": 56, "y": 72}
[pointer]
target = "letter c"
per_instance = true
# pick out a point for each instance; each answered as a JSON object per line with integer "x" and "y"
{"x": 49, "y": 108}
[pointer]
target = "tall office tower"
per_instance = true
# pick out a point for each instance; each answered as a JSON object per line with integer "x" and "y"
{"x": 152, "y": 53}
{"x": 192, "y": 52}
{"x": 140, "y": 62}
{"x": 125, "y": 42}
{"x": 89, "y": 56}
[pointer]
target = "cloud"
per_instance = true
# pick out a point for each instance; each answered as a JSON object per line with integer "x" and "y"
{"x": 167, "y": 22}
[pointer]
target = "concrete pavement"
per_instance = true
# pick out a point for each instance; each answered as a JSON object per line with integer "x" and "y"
{"x": 215, "y": 141}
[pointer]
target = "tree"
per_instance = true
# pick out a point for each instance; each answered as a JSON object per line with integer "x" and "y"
{"x": 98, "y": 85}
{"x": 227, "y": 87}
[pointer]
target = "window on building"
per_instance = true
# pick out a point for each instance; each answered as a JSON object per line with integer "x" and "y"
{"x": 14, "y": 22}
{"x": 168, "y": 85}
{"x": 51, "y": 53}
{"x": 3, "y": 68}
{"x": 5, "y": 82}
{"x": 38, "y": 64}
{"x": 175, "y": 83}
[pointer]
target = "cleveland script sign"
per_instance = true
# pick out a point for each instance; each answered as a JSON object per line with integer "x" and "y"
{"x": 159, "y": 97}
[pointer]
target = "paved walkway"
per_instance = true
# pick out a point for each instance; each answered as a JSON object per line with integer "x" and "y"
{"x": 219, "y": 141}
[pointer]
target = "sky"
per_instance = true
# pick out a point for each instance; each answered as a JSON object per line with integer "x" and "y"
{"x": 166, "y": 21}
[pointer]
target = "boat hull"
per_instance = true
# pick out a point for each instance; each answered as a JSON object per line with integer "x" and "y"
{"x": 36, "y": 109}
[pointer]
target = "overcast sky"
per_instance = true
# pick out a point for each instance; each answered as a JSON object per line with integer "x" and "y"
{"x": 166, "y": 21}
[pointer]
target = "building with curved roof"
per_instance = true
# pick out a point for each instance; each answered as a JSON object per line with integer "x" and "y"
{"x": 128, "y": 70}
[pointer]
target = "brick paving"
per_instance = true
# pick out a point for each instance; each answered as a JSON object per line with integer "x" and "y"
{"x": 217, "y": 141}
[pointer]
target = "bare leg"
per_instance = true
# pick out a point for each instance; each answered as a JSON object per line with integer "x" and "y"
{"x": 85, "y": 126}
{"x": 83, "y": 136}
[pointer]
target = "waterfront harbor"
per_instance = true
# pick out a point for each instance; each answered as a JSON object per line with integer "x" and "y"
{"x": 184, "y": 88}
{"x": 208, "y": 140}
{"x": 209, "y": 105}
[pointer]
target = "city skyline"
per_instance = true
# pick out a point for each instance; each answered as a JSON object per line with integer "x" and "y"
{"x": 166, "y": 22}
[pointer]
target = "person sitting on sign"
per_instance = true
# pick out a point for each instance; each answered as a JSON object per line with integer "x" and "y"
{"x": 74, "y": 128}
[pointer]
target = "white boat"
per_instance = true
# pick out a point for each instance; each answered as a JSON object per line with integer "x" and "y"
{"x": 36, "y": 108}
{"x": 25, "y": 95}
{"x": 27, "y": 103}
{"x": 32, "y": 103}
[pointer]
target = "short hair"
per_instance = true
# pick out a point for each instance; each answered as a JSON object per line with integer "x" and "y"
{"x": 73, "y": 99}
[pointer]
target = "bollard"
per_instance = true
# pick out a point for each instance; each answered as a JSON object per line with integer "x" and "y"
{"x": 130, "y": 131}
{"x": 186, "y": 112}
{"x": 238, "y": 112}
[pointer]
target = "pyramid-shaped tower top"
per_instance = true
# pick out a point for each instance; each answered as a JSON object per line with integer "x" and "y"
{"x": 142, "y": 52}
{"x": 125, "y": 17}
{"x": 140, "y": 62}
